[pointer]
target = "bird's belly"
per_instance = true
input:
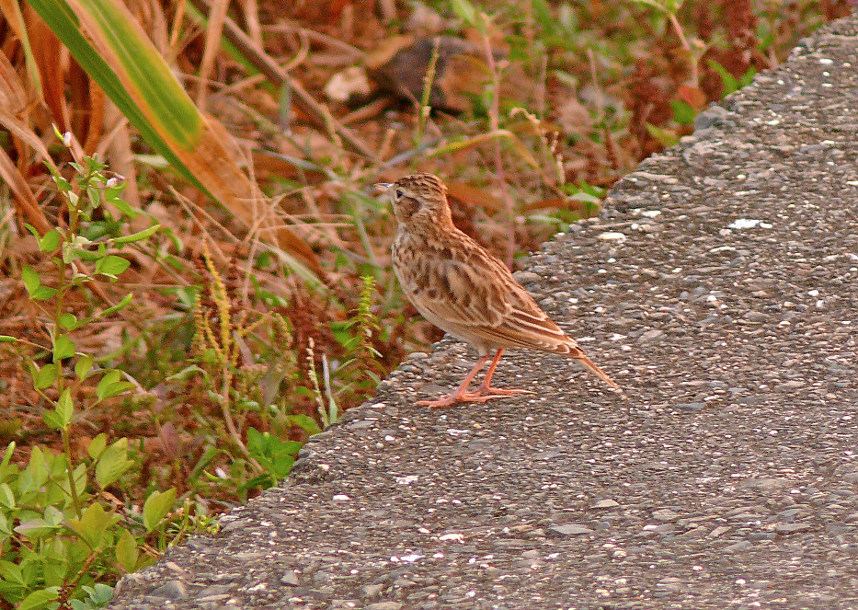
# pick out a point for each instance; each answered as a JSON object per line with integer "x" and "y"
{"x": 482, "y": 346}
{"x": 444, "y": 325}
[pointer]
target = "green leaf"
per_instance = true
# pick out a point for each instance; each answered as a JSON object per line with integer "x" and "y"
{"x": 11, "y": 572}
{"x": 157, "y": 506}
{"x": 43, "y": 293}
{"x": 282, "y": 466}
{"x": 38, "y": 470}
{"x": 68, "y": 321}
{"x": 7, "y": 457}
{"x": 52, "y": 420}
{"x": 65, "y": 408}
{"x": 729, "y": 81}
{"x": 126, "y": 551}
{"x": 585, "y": 197}
{"x": 7, "y": 497}
{"x": 120, "y": 305}
{"x": 7, "y": 339}
{"x": 98, "y": 597}
{"x": 53, "y": 516}
{"x": 31, "y": 279}
{"x": 255, "y": 441}
{"x": 54, "y": 553}
{"x": 50, "y": 241}
{"x": 35, "y": 529}
{"x": 663, "y": 136}
{"x": 92, "y": 524}
{"x": 63, "y": 185}
{"x": 141, "y": 235}
{"x": 111, "y": 265}
{"x": 83, "y": 366}
{"x": 97, "y": 445}
{"x": 46, "y": 376}
{"x": 93, "y": 196}
{"x": 465, "y": 11}
{"x": 305, "y": 422}
{"x": 31, "y": 228}
{"x": 683, "y": 112}
{"x": 112, "y": 463}
{"x": 543, "y": 15}
{"x": 63, "y": 348}
{"x": 124, "y": 207}
{"x": 118, "y": 388}
{"x": 39, "y": 599}
{"x": 111, "y": 386}
{"x": 95, "y": 166}
{"x": 103, "y": 387}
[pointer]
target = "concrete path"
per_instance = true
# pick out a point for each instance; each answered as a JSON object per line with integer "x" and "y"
{"x": 720, "y": 288}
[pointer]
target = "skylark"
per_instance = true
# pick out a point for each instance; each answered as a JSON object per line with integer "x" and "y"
{"x": 461, "y": 288}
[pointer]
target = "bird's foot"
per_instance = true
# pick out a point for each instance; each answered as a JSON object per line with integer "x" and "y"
{"x": 480, "y": 396}
{"x": 501, "y": 392}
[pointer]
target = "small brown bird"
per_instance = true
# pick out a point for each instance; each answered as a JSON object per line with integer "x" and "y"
{"x": 459, "y": 287}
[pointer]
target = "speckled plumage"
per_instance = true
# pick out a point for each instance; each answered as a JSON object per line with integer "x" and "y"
{"x": 461, "y": 288}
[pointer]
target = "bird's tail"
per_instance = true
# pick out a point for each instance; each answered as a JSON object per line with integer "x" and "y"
{"x": 589, "y": 364}
{"x": 570, "y": 348}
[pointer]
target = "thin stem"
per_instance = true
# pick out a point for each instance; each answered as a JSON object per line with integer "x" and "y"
{"x": 230, "y": 423}
{"x": 70, "y": 471}
{"x": 74, "y": 219}
{"x": 695, "y": 77}
{"x": 428, "y": 79}
{"x": 494, "y": 114}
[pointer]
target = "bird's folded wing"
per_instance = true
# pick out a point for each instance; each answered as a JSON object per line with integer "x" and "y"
{"x": 483, "y": 299}
{"x": 461, "y": 294}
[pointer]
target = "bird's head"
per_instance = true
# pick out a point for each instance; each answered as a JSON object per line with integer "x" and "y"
{"x": 419, "y": 201}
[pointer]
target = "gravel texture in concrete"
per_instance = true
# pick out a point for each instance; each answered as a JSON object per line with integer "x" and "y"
{"x": 720, "y": 289}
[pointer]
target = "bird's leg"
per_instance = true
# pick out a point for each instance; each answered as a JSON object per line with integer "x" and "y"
{"x": 461, "y": 394}
{"x": 484, "y": 393}
{"x": 488, "y": 391}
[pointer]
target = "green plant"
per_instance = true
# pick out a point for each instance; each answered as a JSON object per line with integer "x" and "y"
{"x": 276, "y": 457}
{"x": 327, "y": 407}
{"x": 59, "y": 536}
{"x": 220, "y": 328}
{"x": 693, "y": 49}
{"x": 730, "y": 82}
{"x": 358, "y": 372}
{"x": 97, "y": 596}
{"x": 244, "y": 366}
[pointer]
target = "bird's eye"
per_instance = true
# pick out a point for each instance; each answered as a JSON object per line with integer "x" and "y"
{"x": 398, "y": 194}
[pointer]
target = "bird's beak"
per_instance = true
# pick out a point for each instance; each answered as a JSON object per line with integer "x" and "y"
{"x": 381, "y": 187}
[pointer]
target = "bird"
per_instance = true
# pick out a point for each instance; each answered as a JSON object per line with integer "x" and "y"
{"x": 461, "y": 288}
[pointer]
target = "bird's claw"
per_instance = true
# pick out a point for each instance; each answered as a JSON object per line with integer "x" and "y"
{"x": 480, "y": 396}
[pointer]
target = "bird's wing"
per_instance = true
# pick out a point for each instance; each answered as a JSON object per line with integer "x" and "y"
{"x": 526, "y": 325}
{"x": 459, "y": 293}
{"x": 477, "y": 294}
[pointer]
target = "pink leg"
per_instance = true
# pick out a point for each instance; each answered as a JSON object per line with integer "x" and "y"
{"x": 483, "y": 394}
{"x": 486, "y": 387}
{"x": 461, "y": 392}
